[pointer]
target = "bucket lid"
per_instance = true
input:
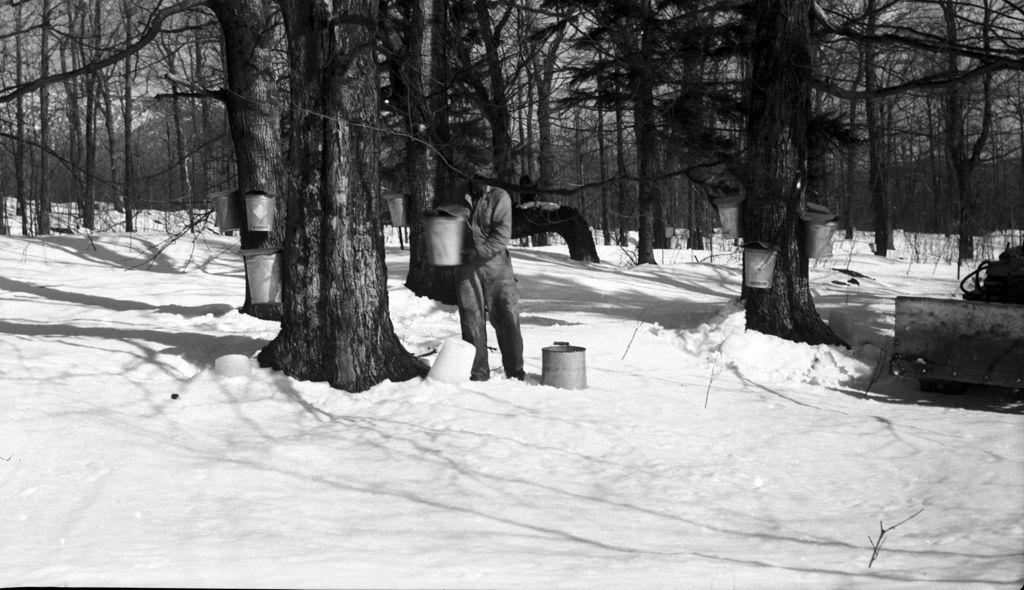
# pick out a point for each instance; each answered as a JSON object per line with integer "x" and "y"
{"x": 450, "y": 211}
{"x": 816, "y": 213}
{"x": 563, "y": 347}
{"x": 732, "y": 200}
{"x": 259, "y": 251}
{"x": 213, "y": 196}
{"x": 392, "y": 196}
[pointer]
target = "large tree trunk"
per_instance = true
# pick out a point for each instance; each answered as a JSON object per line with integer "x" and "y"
{"x": 620, "y": 172}
{"x": 777, "y": 131}
{"x": 424, "y": 279}
{"x": 20, "y": 182}
{"x": 44, "y": 126}
{"x": 495, "y": 105}
{"x": 410, "y": 85}
{"x": 74, "y": 111}
{"x": 963, "y": 159}
{"x": 252, "y": 107}
{"x": 91, "y": 137}
{"x": 644, "y": 124}
{"x": 336, "y": 326}
{"x": 877, "y": 170}
{"x": 602, "y": 154}
{"x": 128, "y": 101}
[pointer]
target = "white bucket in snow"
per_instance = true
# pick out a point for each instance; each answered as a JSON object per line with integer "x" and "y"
{"x": 454, "y": 361}
{"x": 233, "y": 365}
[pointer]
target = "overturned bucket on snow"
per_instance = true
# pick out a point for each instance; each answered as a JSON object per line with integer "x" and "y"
{"x": 263, "y": 273}
{"x": 454, "y": 361}
{"x": 444, "y": 235}
{"x": 730, "y": 213}
{"x": 227, "y": 209}
{"x": 259, "y": 211}
{"x": 396, "y": 207}
{"x": 759, "y": 264}
{"x": 564, "y": 366}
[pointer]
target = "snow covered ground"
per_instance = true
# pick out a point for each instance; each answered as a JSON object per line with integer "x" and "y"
{"x": 700, "y": 455}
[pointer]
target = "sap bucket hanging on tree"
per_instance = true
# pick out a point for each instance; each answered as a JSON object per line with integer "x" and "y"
{"x": 819, "y": 225}
{"x": 396, "y": 207}
{"x": 759, "y": 264}
{"x": 564, "y": 366}
{"x": 259, "y": 211}
{"x": 730, "y": 213}
{"x": 444, "y": 233}
{"x": 227, "y": 208}
{"x": 263, "y": 272}
{"x": 454, "y": 362}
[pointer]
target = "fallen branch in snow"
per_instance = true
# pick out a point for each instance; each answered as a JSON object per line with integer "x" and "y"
{"x": 639, "y": 322}
{"x": 877, "y": 546}
{"x": 883, "y": 358}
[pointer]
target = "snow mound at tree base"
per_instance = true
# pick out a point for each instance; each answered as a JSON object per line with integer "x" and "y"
{"x": 725, "y": 341}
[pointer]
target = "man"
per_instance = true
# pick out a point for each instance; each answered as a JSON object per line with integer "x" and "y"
{"x": 486, "y": 286}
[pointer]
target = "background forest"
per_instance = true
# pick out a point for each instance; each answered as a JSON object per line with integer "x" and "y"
{"x": 917, "y": 119}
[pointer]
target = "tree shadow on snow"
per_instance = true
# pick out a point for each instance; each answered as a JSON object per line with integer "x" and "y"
{"x": 668, "y": 296}
{"x": 198, "y": 349}
{"x": 140, "y": 253}
{"x": 110, "y": 303}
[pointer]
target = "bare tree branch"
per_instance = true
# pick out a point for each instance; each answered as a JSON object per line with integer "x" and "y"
{"x": 153, "y": 27}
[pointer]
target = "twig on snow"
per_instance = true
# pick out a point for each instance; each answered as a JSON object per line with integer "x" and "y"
{"x": 639, "y": 322}
{"x": 714, "y": 365}
{"x": 876, "y": 546}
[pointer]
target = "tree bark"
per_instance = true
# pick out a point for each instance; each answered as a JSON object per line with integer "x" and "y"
{"x": 43, "y": 204}
{"x": 253, "y": 111}
{"x": 91, "y": 135}
{"x": 74, "y": 112}
{"x": 494, "y": 101}
{"x": 621, "y": 171}
{"x": 777, "y": 133}
{"x": 127, "y": 107}
{"x": 644, "y": 125}
{"x": 20, "y": 183}
{"x": 335, "y": 326}
{"x": 428, "y": 179}
{"x": 877, "y": 172}
{"x": 963, "y": 159}
{"x": 602, "y": 154}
